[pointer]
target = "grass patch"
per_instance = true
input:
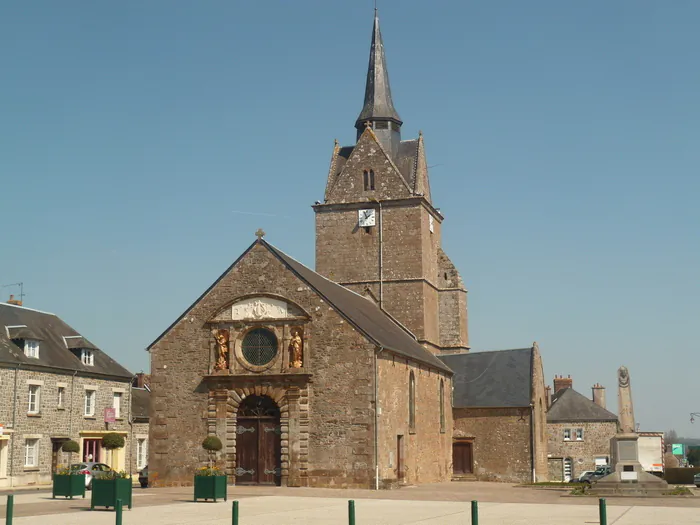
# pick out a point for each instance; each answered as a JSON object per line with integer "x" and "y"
{"x": 581, "y": 489}
{"x": 679, "y": 491}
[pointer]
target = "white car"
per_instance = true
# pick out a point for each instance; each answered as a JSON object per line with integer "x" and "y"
{"x": 89, "y": 468}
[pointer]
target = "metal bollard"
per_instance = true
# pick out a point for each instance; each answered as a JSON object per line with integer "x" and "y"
{"x": 603, "y": 512}
{"x": 351, "y": 512}
{"x": 118, "y": 508}
{"x": 10, "y": 509}
{"x": 475, "y": 512}
{"x": 234, "y": 518}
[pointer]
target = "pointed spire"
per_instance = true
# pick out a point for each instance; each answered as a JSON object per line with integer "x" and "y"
{"x": 378, "y": 104}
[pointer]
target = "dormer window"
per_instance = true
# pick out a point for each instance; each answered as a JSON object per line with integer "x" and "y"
{"x": 31, "y": 348}
{"x": 87, "y": 356}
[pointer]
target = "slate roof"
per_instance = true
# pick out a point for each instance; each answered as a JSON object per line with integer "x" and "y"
{"x": 54, "y": 352}
{"x": 569, "y": 405}
{"x": 499, "y": 378}
{"x": 362, "y": 313}
{"x": 140, "y": 403}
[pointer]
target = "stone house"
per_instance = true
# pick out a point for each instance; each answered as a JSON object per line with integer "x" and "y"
{"x": 55, "y": 385}
{"x": 342, "y": 376}
{"x": 499, "y": 409}
{"x": 579, "y": 431}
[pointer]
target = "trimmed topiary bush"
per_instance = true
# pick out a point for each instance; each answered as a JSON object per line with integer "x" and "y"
{"x": 112, "y": 442}
{"x": 212, "y": 444}
{"x": 71, "y": 447}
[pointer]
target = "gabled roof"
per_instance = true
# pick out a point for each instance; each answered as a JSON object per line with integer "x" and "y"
{"x": 54, "y": 351}
{"x": 499, "y": 378}
{"x": 569, "y": 405}
{"x": 365, "y": 316}
{"x": 362, "y": 313}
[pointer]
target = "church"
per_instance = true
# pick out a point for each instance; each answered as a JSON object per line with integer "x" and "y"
{"x": 357, "y": 374}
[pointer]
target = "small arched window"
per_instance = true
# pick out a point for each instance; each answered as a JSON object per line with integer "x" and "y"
{"x": 412, "y": 402}
{"x": 442, "y": 406}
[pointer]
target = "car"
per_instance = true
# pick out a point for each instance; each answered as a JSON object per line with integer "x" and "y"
{"x": 143, "y": 477}
{"x": 89, "y": 468}
{"x": 585, "y": 475}
{"x": 696, "y": 480}
{"x": 600, "y": 472}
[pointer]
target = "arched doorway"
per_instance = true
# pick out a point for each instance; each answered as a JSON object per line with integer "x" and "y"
{"x": 258, "y": 444}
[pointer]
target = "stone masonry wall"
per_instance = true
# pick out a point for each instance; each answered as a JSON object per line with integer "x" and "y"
{"x": 428, "y": 449}
{"x": 501, "y": 442}
{"x": 340, "y": 395}
{"x": 53, "y": 421}
{"x": 539, "y": 417}
{"x": 596, "y": 442}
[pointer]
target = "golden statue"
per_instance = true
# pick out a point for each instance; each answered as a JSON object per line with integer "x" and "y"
{"x": 295, "y": 349}
{"x": 222, "y": 347}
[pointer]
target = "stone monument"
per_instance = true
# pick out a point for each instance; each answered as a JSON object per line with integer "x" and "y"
{"x": 628, "y": 476}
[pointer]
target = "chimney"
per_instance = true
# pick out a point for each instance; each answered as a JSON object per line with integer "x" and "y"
{"x": 548, "y": 395}
{"x": 141, "y": 380}
{"x": 561, "y": 383}
{"x": 599, "y": 395}
{"x": 14, "y": 301}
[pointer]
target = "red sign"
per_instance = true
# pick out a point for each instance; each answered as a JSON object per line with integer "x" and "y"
{"x": 110, "y": 415}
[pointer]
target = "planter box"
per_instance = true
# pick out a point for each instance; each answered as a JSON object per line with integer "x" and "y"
{"x": 106, "y": 492}
{"x": 69, "y": 485}
{"x": 210, "y": 487}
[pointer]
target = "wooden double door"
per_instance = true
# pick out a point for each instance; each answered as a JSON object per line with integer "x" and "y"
{"x": 258, "y": 449}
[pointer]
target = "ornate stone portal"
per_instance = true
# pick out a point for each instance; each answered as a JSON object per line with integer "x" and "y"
{"x": 628, "y": 477}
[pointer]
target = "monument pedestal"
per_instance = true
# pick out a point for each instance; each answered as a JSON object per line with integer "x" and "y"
{"x": 628, "y": 478}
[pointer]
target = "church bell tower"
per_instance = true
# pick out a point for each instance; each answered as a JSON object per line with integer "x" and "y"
{"x": 377, "y": 231}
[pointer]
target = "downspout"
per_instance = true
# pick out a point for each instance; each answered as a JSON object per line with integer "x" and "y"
{"x": 381, "y": 254}
{"x": 532, "y": 442}
{"x": 131, "y": 428}
{"x": 376, "y": 419}
{"x": 70, "y": 418}
{"x": 14, "y": 420}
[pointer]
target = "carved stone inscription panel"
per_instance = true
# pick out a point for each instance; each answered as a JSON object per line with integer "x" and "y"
{"x": 262, "y": 308}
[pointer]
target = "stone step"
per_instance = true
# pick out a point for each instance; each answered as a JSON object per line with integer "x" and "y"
{"x": 464, "y": 477}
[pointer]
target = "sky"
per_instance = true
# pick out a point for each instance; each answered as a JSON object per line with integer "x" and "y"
{"x": 143, "y": 143}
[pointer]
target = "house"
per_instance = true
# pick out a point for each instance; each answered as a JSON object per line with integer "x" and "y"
{"x": 55, "y": 385}
{"x": 579, "y": 430}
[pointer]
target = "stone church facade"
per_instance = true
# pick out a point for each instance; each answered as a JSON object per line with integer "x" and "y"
{"x": 335, "y": 377}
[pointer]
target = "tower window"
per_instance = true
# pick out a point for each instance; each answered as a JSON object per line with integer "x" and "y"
{"x": 382, "y": 124}
{"x": 368, "y": 178}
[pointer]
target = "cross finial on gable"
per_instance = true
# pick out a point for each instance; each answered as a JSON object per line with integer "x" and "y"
{"x": 260, "y": 233}
{"x": 368, "y": 124}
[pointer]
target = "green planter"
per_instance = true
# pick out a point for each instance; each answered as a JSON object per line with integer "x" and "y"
{"x": 106, "y": 492}
{"x": 210, "y": 487}
{"x": 69, "y": 485}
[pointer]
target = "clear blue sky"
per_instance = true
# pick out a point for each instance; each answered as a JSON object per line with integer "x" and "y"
{"x": 138, "y": 140}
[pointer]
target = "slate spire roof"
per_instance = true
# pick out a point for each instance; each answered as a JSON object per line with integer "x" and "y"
{"x": 378, "y": 104}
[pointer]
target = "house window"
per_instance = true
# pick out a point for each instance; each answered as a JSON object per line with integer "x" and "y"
{"x": 61, "y": 395}
{"x": 87, "y": 357}
{"x": 567, "y": 434}
{"x": 442, "y": 406}
{"x": 90, "y": 398}
{"x": 117, "y": 404}
{"x": 412, "y": 402}
{"x": 31, "y": 349}
{"x": 368, "y": 179}
{"x": 31, "y": 453}
{"x": 141, "y": 453}
{"x": 579, "y": 434}
{"x": 34, "y": 399}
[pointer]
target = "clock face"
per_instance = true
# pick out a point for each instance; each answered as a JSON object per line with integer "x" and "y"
{"x": 366, "y": 218}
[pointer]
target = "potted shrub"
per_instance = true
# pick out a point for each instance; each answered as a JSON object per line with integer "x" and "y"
{"x": 108, "y": 487}
{"x": 67, "y": 482}
{"x": 209, "y": 481}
